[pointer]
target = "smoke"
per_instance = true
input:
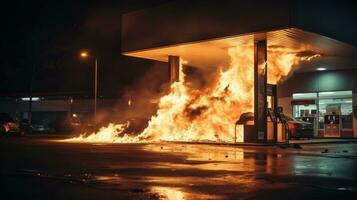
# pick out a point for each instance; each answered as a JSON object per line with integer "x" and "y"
{"x": 140, "y": 99}
{"x": 201, "y": 78}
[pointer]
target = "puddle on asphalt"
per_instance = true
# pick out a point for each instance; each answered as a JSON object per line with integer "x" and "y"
{"x": 183, "y": 171}
{"x": 174, "y": 193}
{"x": 115, "y": 182}
{"x": 210, "y": 157}
{"x": 236, "y": 171}
{"x": 110, "y": 180}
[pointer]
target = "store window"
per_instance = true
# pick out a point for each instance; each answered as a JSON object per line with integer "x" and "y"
{"x": 336, "y": 103}
{"x": 330, "y": 112}
{"x": 304, "y": 105}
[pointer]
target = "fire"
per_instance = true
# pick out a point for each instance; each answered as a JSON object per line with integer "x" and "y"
{"x": 107, "y": 134}
{"x": 282, "y": 59}
{"x": 188, "y": 114}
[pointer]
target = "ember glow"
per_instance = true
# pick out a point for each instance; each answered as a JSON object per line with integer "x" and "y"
{"x": 189, "y": 114}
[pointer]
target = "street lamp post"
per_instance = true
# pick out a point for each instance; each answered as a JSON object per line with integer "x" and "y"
{"x": 85, "y": 54}
{"x": 95, "y": 89}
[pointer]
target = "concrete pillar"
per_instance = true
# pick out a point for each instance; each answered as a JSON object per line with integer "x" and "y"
{"x": 260, "y": 93}
{"x": 272, "y": 92}
{"x": 174, "y": 67}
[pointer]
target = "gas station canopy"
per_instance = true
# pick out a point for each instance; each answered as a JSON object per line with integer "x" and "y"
{"x": 202, "y": 31}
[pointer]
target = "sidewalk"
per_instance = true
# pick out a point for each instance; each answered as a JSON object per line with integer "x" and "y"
{"x": 323, "y": 140}
{"x": 302, "y": 141}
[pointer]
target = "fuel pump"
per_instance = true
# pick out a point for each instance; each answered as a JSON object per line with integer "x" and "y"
{"x": 272, "y": 121}
{"x": 269, "y": 132}
{"x": 283, "y": 128}
{"x": 247, "y": 121}
{"x": 271, "y": 125}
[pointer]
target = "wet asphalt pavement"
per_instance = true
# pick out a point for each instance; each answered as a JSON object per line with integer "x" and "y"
{"x": 43, "y": 168}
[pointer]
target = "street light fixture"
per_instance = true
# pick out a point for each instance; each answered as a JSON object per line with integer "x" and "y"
{"x": 85, "y": 54}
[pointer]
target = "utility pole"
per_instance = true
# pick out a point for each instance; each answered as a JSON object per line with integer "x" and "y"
{"x": 31, "y": 91}
{"x": 85, "y": 54}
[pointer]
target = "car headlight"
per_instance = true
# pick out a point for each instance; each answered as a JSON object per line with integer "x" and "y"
{"x": 11, "y": 126}
{"x": 6, "y": 127}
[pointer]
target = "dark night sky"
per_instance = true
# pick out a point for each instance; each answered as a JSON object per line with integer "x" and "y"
{"x": 49, "y": 34}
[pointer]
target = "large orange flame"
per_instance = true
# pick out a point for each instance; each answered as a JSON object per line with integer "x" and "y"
{"x": 187, "y": 114}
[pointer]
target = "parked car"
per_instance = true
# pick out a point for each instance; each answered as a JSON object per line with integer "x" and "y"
{"x": 9, "y": 127}
{"x": 296, "y": 128}
{"x": 36, "y": 127}
{"x": 73, "y": 124}
{"x": 299, "y": 129}
{"x": 136, "y": 125}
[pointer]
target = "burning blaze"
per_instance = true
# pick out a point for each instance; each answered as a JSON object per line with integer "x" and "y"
{"x": 107, "y": 134}
{"x": 188, "y": 114}
{"x": 194, "y": 115}
{"x": 281, "y": 61}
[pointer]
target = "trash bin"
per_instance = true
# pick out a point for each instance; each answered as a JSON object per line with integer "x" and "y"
{"x": 247, "y": 120}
